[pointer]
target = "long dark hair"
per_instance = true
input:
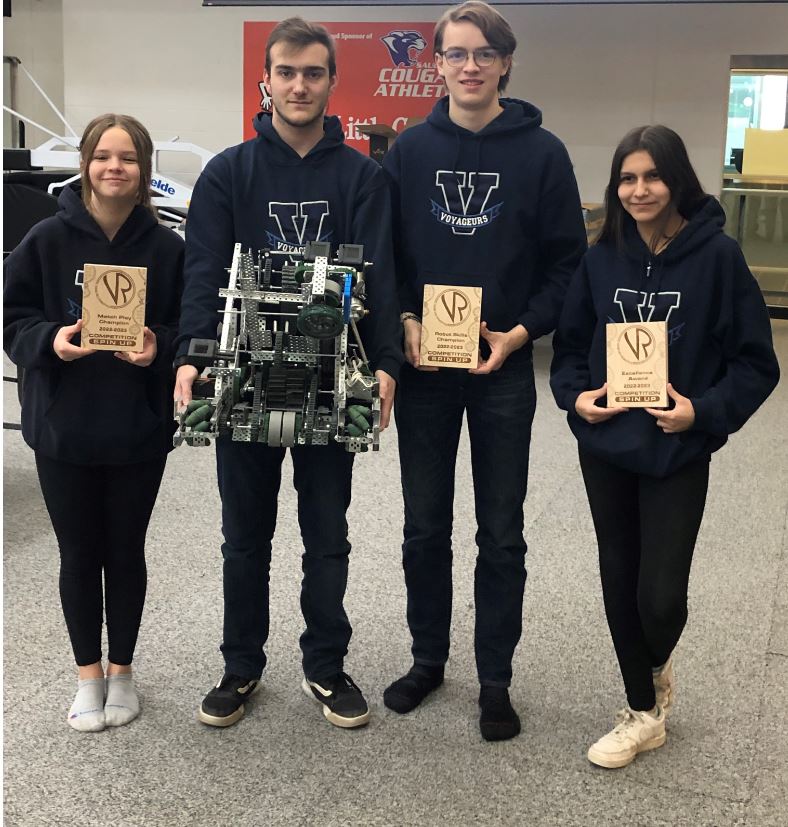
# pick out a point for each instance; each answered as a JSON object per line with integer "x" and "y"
{"x": 673, "y": 164}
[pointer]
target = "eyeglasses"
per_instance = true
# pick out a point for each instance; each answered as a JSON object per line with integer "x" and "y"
{"x": 483, "y": 57}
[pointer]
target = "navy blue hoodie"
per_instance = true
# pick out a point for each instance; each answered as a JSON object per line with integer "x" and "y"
{"x": 97, "y": 410}
{"x": 261, "y": 193}
{"x": 498, "y": 208}
{"x": 719, "y": 336}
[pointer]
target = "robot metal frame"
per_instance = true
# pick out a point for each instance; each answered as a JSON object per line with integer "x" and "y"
{"x": 289, "y": 367}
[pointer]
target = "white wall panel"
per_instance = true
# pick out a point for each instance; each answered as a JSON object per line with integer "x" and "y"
{"x": 594, "y": 70}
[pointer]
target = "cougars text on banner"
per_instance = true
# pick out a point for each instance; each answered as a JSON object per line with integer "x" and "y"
{"x": 386, "y": 75}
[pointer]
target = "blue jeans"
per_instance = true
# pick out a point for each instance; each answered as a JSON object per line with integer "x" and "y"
{"x": 249, "y": 476}
{"x": 500, "y": 409}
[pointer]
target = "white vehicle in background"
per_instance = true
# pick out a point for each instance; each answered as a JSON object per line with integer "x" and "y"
{"x": 60, "y": 152}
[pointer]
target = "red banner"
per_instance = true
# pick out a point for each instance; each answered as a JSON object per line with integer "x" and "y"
{"x": 385, "y": 71}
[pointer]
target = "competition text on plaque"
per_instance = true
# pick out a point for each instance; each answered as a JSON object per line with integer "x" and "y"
{"x": 450, "y": 321}
{"x": 637, "y": 365}
{"x": 113, "y": 307}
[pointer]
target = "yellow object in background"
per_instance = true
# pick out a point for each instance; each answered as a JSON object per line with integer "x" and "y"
{"x": 765, "y": 152}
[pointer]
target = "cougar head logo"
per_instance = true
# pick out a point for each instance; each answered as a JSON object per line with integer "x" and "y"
{"x": 404, "y": 47}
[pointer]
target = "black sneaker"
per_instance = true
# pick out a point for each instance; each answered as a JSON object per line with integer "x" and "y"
{"x": 342, "y": 701}
{"x": 224, "y": 704}
{"x": 498, "y": 720}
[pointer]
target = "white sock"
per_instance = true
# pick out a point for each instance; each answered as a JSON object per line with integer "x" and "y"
{"x": 87, "y": 711}
{"x": 122, "y": 705}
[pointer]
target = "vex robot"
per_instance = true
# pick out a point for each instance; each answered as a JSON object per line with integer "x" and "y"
{"x": 289, "y": 367}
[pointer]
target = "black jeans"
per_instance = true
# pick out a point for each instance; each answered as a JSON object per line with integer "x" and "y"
{"x": 646, "y": 530}
{"x": 429, "y": 410}
{"x": 100, "y": 515}
{"x": 249, "y": 477}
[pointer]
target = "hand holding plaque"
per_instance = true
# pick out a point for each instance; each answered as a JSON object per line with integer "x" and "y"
{"x": 450, "y": 326}
{"x": 113, "y": 307}
{"x": 637, "y": 365}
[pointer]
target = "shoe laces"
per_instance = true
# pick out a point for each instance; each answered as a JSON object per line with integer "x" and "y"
{"x": 342, "y": 681}
{"x": 625, "y": 720}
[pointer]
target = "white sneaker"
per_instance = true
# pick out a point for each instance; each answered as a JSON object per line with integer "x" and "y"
{"x": 665, "y": 686}
{"x": 635, "y": 732}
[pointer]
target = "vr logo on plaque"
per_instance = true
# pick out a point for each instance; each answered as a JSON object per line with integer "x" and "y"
{"x": 637, "y": 365}
{"x": 450, "y": 321}
{"x": 113, "y": 307}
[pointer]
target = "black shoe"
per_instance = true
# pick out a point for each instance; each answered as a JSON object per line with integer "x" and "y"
{"x": 406, "y": 693}
{"x": 224, "y": 704}
{"x": 498, "y": 720}
{"x": 342, "y": 701}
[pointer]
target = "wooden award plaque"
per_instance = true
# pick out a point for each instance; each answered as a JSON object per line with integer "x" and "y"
{"x": 113, "y": 307}
{"x": 637, "y": 365}
{"x": 450, "y": 322}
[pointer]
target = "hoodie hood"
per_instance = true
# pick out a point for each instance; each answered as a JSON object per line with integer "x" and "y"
{"x": 704, "y": 222}
{"x": 282, "y": 154}
{"x": 517, "y": 115}
{"x": 73, "y": 213}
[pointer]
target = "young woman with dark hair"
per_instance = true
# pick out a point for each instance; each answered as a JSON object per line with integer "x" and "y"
{"x": 100, "y": 423}
{"x": 661, "y": 256}
{"x": 669, "y": 155}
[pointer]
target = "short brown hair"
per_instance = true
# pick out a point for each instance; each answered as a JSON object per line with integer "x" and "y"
{"x": 492, "y": 24}
{"x": 299, "y": 33}
{"x": 143, "y": 146}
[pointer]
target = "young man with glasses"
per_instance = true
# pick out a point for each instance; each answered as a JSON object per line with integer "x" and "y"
{"x": 295, "y": 182}
{"x": 483, "y": 197}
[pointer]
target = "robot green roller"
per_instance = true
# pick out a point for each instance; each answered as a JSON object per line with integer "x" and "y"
{"x": 289, "y": 367}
